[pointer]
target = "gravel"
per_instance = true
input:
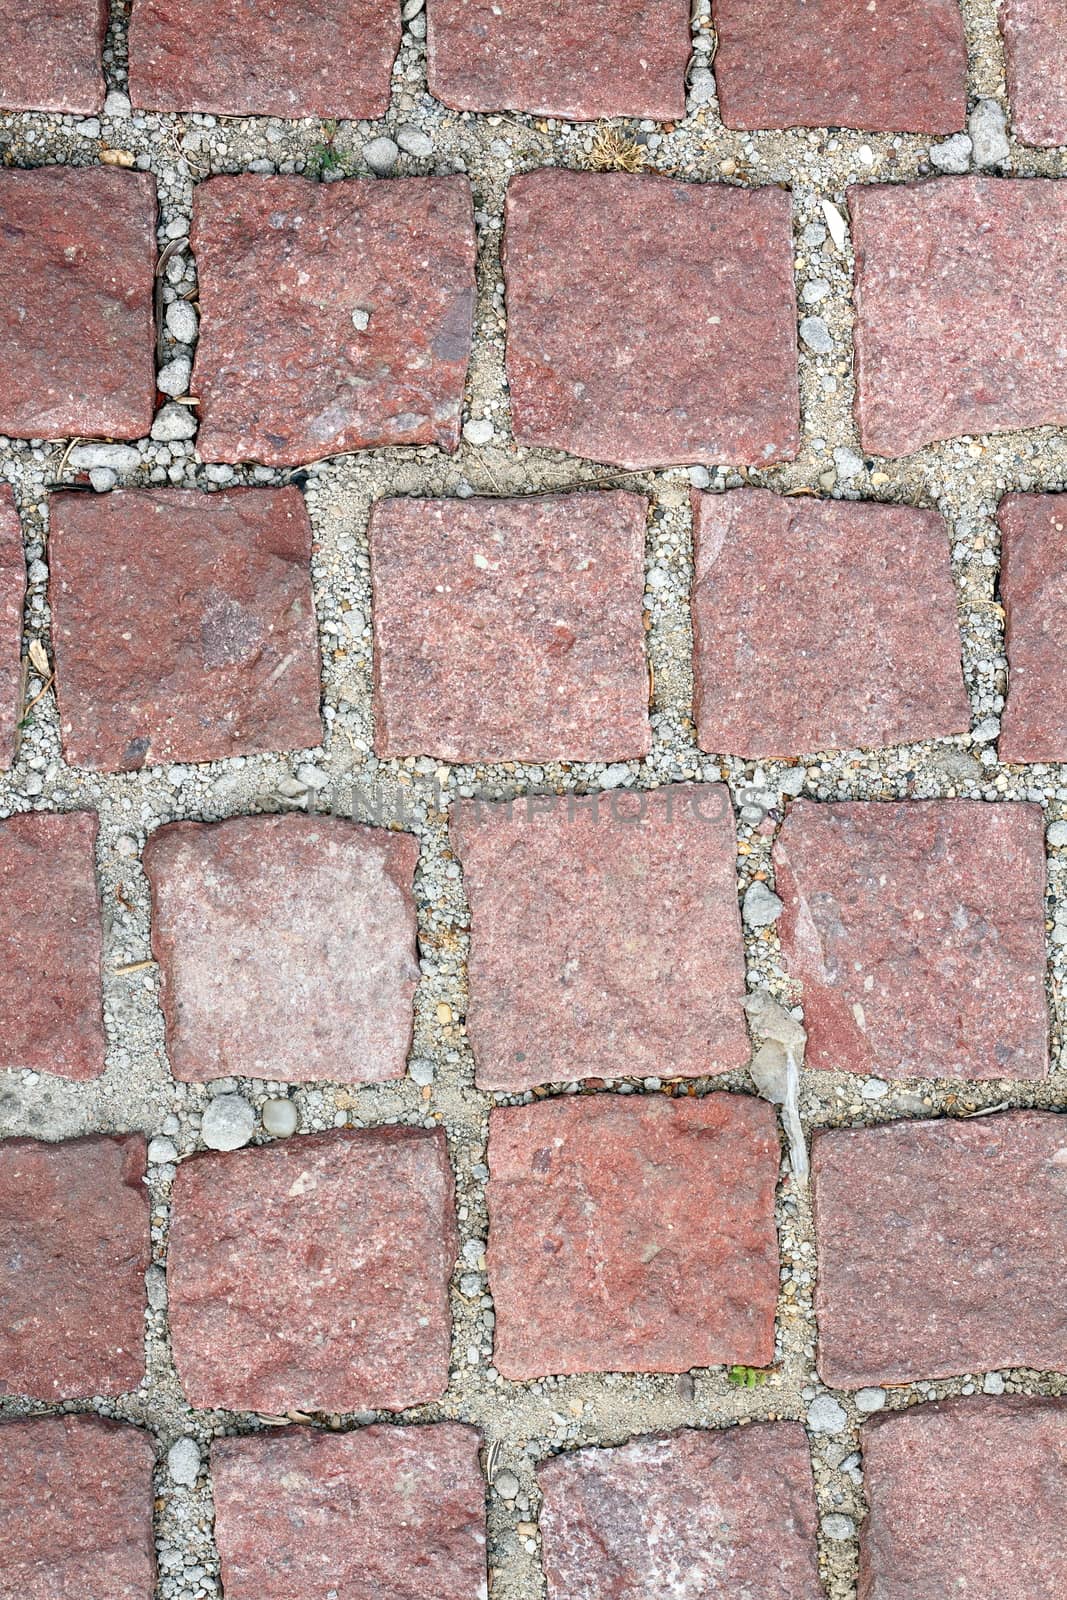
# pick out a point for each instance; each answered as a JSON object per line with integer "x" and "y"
{"x": 827, "y": 1415}
{"x": 229, "y": 1122}
{"x": 987, "y": 125}
{"x": 183, "y": 1462}
{"x": 761, "y": 906}
{"x": 381, "y": 155}
{"x": 118, "y": 458}
{"x": 280, "y": 1118}
{"x": 816, "y": 335}
{"x": 173, "y": 378}
{"x": 953, "y": 155}
{"x": 174, "y": 422}
{"x": 182, "y": 321}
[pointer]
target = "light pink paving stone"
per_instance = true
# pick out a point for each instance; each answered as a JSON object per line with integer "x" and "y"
{"x": 648, "y": 1221}
{"x": 822, "y": 624}
{"x": 713, "y": 1513}
{"x": 12, "y": 597}
{"x": 326, "y": 1262}
{"x": 286, "y": 947}
{"x": 380, "y": 1511}
{"x": 51, "y": 55}
{"x": 651, "y": 322}
{"x": 76, "y": 1510}
{"x": 961, "y": 302}
{"x": 605, "y": 936}
{"x": 966, "y": 1497}
{"x": 283, "y": 373}
{"x": 510, "y": 629}
{"x": 318, "y": 58}
{"x": 941, "y": 1248}
{"x": 74, "y": 1249}
{"x": 1035, "y": 43}
{"x": 184, "y": 625}
{"x": 1033, "y": 589}
{"x": 917, "y": 932}
{"x": 579, "y": 59}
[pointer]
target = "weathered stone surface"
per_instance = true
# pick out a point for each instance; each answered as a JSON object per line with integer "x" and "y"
{"x": 76, "y": 1510}
{"x": 810, "y": 63}
{"x": 721, "y": 1512}
{"x": 822, "y": 624}
{"x": 74, "y": 1248}
{"x": 50, "y": 55}
{"x": 382, "y": 1511}
{"x": 961, "y": 301}
{"x": 650, "y": 1220}
{"x": 966, "y": 1497}
{"x": 1035, "y": 42}
{"x": 605, "y": 936}
{"x": 917, "y": 931}
{"x": 51, "y": 995}
{"x": 326, "y": 1261}
{"x": 12, "y": 597}
{"x": 195, "y": 637}
{"x": 286, "y": 370}
{"x": 510, "y": 629}
{"x": 77, "y": 344}
{"x": 1033, "y": 588}
{"x": 651, "y": 322}
{"x": 321, "y": 58}
{"x": 581, "y": 60}
{"x": 941, "y": 1247}
{"x": 286, "y": 947}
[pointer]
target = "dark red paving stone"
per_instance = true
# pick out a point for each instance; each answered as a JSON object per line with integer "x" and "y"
{"x": 74, "y": 1249}
{"x": 961, "y": 302}
{"x": 966, "y": 1497}
{"x": 321, "y": 58}
{"x": 822, "y": 624}
{"x": 51, "y": 55}
{"x": 381, "y": 1511}
{"x": 650, "y": 322}
{"x": 722, "y": 1512}
{"x": 326, "y": 1261}
{"x": 77, "y": 341}
{"x": 579, "y": 60}
{"x": 76, "y": 1510}
{"x": 917, "y": 931}
{"x": 51, "y": 951}
{"x": 1033, "y": 589}
{"x": 605, "y": 936}
{"x": 941, "y": 1248}
{"x": 12, "y": 597}
{"x": 286, "y": 947}
{"x": 510, "y": 629}
{"x": 651, "y": 1220}
{"x": 1035, "y": 43}
{"x": 283, "y": 374}
{"x": 184, "y": 625}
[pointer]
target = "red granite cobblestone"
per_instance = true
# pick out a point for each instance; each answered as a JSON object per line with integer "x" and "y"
{"x": 12, "y": 597}
{"x": 1033, "y": 589}
{"x": 1035, "y": 43}
{"x": 50, "y": 55}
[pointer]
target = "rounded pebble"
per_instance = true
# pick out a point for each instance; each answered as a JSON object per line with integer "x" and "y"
{"x": 183, "y": 1462}
{"x": 229, "y": 1122}
{"x": 280, "y": 1118}
{"x": 381, "y": 155}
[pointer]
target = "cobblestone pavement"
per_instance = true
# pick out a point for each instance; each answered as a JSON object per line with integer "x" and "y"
{"x": 395, "y": 1195}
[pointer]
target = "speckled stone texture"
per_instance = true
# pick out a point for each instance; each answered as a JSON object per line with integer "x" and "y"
{"x": 326, "y": 1261}
{"x": 12, "y": 597}
{"x": 966, "y": 1498}
{"x": 194, "y": 638}
{"x": 723, "y": 1512}
{"x": 1035, "y": 43}
{"x": 382, "y": 1511}
{"x": 50, "y": 55}
{"x": 651, "y": 322}
{"x": 76, "y": 1510}
{"x": 74, "y": 1249}
{"x": 510, "y": 629}
{"x": 917, "y": 932}
{"x": 961, "y": 302}
{"x": 51, "y": 993}
{"x": 822, "y": 625}
{"x": 283, "y": 374}
{"x": 77, "y": 340}
{"x": 1033, "y": 589}
{"x": 321, "y": 58}
{"x": 941, "y": 1248}
{"x": 286, "y": 947}
{"x": 605, "y": 936}
{"x": 579, "y": 59}
{"x": 632, "y": 1234}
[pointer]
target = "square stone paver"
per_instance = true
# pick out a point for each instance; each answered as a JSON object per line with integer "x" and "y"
{"x": 510, "y": 629}
{"x": 651, "y": 1221}
{"x": 822, "y": 625}
{"x": 74, "y": 1249}
{"x": 739, "y": 1504}
{"x": 381, "y": 1511}
{"x": 605, "y": 936}
{"x": 651, "y": 323}
{"x": 334, "y": 316}
{"x": 184, "y": 625}
{"x": 286, "y": 947}
{"x": 1033, "y": 589}
{"x": 941, "y": 1248}
{"x": 77, "y": 337}
{"x": 51, "y": 55}
{"x": 326, "y": 1261}
{"x": 1035, "y": 43}
{"x": 917, "y": 931}
{"x": 12, "y": 597}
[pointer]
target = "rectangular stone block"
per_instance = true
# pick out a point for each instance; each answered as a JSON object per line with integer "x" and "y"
{"x": 12, "y": 599}
{"x": 1035, "y": 43}
{"x": 1033, "y": 589}
{"x": 51, "y": 55}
